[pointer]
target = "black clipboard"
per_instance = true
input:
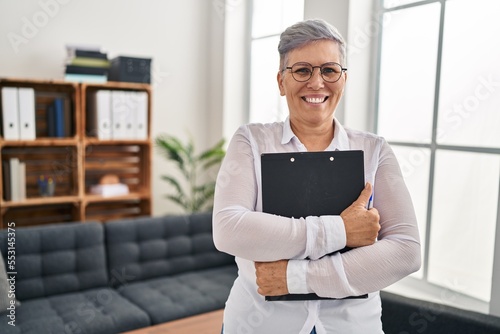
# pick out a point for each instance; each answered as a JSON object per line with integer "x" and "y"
{"x": 301, "y": 184}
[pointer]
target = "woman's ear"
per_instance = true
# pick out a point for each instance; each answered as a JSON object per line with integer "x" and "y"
{"x": 279, "y": 77}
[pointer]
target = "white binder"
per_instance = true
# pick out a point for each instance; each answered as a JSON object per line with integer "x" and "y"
{"x": 119, "y": 111}
{"x": 99, "y": 115}
{"x": 10, "y": 113}
{"x": 141, "y": 115}
{"x": 129, "y": 115}
{"x": 27, "y": 123}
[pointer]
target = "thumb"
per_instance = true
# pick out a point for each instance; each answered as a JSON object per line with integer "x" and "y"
{"x": 364, "y": 197}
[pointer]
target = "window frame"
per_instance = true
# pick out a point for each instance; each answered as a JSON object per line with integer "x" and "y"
{"x": 421, "y": 287}
{"x": 282, "y": 110}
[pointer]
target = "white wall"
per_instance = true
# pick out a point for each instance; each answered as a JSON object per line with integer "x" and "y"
{"x": 177, "y": 35}
{"x": 356, "y": 21}
{"x": 236, "y": 52}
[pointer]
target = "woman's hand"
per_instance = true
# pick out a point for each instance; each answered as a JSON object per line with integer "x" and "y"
{"x": 361, "y": 225}
{"x": 271, "y": 278}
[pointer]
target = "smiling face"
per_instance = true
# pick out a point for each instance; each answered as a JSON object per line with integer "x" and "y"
{"x": 312, "y": 103}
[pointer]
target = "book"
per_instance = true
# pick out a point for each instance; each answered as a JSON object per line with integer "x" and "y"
{"x": 79, "y": 53}
{"x": 22, "y": 181}
{"x": 68, "y": 118}
{"x": 6, "y": 180}
{"x": 51, "y": 121}
{"x": 86, "y": 78}
{"x": 89, "y": 62}
{"x": 59, "y": 122}
{"x": 74, "y": 69}
{"x": 85, "y": 50}
{"x": 14, "y": 179}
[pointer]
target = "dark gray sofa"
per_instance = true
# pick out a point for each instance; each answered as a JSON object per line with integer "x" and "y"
{"x": 115, "y": 277}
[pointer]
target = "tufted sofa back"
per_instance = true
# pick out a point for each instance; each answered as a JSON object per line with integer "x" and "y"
{"x": 143, "y": 248}
{"x": 57, "y": 259}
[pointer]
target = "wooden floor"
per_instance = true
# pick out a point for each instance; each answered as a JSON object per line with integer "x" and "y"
{"x": 207, "y": 323}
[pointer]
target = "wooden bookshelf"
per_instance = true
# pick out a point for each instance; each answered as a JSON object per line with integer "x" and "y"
{"x": 76, "y": 162}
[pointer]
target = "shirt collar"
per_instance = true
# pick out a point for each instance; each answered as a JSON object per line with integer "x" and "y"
{"x": 287, "y": 132}
{"x": 340, "y": 140}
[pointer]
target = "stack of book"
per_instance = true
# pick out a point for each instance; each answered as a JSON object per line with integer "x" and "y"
{"x": 86, "y": 64}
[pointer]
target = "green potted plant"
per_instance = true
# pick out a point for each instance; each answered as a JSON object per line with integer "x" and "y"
{"x": 195, "y": 192}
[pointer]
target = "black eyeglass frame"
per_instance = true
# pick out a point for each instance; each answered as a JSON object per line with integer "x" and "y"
{"x": 342, "y": 70}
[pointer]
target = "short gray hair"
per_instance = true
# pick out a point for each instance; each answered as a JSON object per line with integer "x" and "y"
{"x": 308, "y": 31}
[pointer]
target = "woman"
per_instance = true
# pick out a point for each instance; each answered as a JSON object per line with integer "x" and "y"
{"x": 278, "y": 255}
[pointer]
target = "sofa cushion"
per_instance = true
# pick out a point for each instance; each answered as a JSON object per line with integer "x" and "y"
{"x": 187, "y": 294}
{"x": 150, "y": 247}
{"x": 95, "y": 311}
{"x": 411, "y": 316}
{"x": 58, "y": 259}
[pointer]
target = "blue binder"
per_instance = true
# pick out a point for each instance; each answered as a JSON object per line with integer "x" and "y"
{"x": 59, "y": 118}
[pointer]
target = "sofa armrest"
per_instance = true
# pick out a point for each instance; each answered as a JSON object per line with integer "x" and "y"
{"x": 402, "y": 315}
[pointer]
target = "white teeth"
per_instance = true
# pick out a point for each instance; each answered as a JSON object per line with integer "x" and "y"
{"x": 314, "y": 99}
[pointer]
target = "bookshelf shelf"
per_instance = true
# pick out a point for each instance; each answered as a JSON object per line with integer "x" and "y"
{"x": 40, "y": 142}
{"x": 95, "y": 141}
{"x": 75, "y": 161}
{"x": 41, "y": 201}
{"x": 132, "y": 196}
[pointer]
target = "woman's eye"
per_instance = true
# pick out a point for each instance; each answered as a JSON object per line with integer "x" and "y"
{"x": 328, "y": 70}
{"x": 303, "y": 70}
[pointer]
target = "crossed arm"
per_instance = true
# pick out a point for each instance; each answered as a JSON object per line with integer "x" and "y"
{"x": 361, "y": 227}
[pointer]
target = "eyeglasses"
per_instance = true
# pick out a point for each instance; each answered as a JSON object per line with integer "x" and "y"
{"x": 330, "y": 72}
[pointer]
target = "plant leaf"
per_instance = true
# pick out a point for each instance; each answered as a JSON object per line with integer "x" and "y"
{"x": 204, "y": 194}
{"x": 214, "y": 155}
{"x": 172, "y": 181}
{"x": 196, "y": 197}
{"x": 171, "y": 148}
{"x": 178, "y": 200}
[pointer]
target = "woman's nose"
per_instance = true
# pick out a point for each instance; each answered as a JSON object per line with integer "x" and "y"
{"x": 316, "y": 81}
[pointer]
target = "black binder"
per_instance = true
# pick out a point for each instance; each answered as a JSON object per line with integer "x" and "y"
{"x": 301, "y": 184}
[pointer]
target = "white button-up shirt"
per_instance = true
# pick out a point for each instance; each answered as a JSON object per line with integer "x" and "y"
{"x": 241, "y": 228}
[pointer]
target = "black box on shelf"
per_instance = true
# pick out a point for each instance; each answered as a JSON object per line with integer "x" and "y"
{"x": 129, "y": 69}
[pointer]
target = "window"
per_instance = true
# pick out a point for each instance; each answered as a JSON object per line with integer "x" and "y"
{"x": 269, "y": 19}
{"x": 438, "y": 97}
